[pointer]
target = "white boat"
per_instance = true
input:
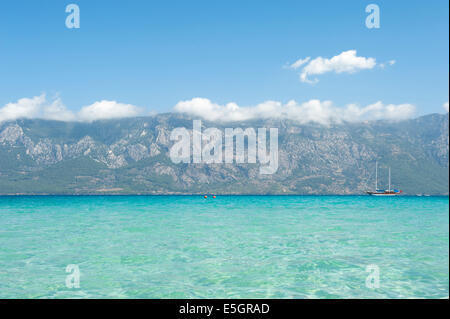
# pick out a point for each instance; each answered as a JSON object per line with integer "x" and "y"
{"x": 383, "y": 192}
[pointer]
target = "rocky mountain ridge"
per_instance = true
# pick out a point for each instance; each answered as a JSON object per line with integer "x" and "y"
{"x": 131, "y": 156}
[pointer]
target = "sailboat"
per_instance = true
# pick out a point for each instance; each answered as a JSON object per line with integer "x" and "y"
{"x": 383, "y": 192}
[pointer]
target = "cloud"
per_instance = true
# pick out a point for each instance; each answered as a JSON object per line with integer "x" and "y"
{"x": 22, "y": 108}
{"x": 299, "y": 63}
{"x": 36, "y": 107}
{"x": 40, "y": 107}
{"x": 108, "y": 110}
{"x": 323, "y": 112}
{"x": 383, "y": 65}
{"x": 445, "y": 106}
{"x": 57, "y": 111}
{"x": 346, "y": 62}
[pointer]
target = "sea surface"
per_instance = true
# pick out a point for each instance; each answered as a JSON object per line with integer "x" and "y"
{"x": 227, "y": 247}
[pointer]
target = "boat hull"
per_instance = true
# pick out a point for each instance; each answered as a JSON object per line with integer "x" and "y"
{"x": 383, "y": 194}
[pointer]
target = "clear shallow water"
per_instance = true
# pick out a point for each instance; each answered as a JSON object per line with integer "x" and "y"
{"x": 228, "y": 247}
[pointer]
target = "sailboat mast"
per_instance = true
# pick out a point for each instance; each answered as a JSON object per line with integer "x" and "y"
{"x": 376, "y": 175}
{"x": 389, "y": 179}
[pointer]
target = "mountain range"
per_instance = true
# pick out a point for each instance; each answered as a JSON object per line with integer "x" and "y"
{"x": 131, "y": 156}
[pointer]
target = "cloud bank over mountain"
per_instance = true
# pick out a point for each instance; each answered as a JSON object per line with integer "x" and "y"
{"x": 40, "y": 107}
{"x": 317, "y": 111}
{"x": 323, "y": 112}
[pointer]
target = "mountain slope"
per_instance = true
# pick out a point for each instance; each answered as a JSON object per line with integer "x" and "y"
{"x": 130, "y": 156}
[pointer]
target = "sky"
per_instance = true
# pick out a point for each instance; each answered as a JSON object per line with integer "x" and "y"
{"x": 224, "y": 59}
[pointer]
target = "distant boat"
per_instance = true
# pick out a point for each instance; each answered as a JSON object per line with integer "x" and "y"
{"x": 383, "y": 192}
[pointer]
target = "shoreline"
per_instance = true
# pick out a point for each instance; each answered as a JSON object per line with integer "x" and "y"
{"x": 203, "y": 194}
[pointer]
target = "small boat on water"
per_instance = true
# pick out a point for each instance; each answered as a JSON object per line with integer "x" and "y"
{"x": 383, "y": 192}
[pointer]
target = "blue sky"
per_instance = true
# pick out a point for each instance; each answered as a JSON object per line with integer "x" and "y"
{"x": 154, "y": 54}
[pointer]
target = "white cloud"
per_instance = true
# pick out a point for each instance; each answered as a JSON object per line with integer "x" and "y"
{"x": 323, "y": 112}
{"x": 108, "y": 110}
{"x": 346, "y": 62}
{"x": 22, "y": 108}
{"x": 390, "y": 62}
{"x": 39, "y": 107}
{"x": 57, "y": 111}
{"x": 379, "y": 111}
{"x": 445, "y": 106}
{"x": 36, "y": 107}
{"x": 299, "y": 63}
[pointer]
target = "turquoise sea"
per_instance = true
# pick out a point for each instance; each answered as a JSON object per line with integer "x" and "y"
{"x": 228, "y": 247}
